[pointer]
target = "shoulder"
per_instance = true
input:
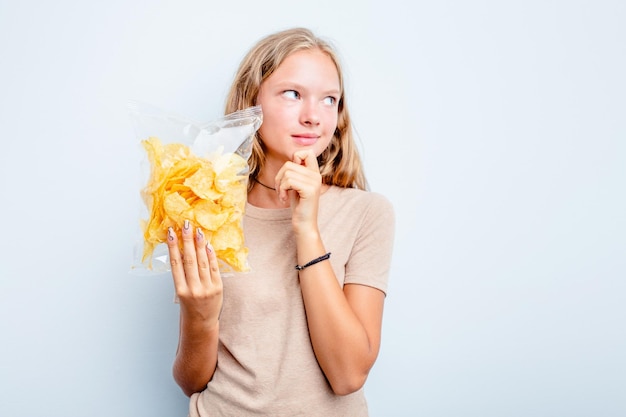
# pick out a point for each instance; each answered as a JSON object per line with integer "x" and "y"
{"x": 369, "y": 201}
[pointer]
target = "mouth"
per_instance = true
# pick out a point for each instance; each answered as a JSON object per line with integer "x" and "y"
{"x": 305, "y": 139}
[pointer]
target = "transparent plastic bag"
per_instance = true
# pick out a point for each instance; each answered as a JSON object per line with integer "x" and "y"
{"x": 192, "y": 171}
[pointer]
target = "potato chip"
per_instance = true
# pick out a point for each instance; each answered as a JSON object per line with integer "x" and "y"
{"x": 201, "y": 183}
{"x": 210, "y": 215}
{"x": 211, "y": 192}
{"x": 176, "y": 207}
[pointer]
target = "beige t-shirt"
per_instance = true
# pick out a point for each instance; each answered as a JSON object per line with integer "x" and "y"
{"x": 266, "y": 365}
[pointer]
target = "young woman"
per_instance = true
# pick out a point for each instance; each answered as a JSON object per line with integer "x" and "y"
{"x": 299, "y": 333}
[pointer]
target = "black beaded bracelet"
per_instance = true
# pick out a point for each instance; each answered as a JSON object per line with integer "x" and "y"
{"x": 313, "y": 262}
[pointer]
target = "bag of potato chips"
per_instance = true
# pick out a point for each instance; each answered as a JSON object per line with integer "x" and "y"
{"x": 197, "y": 172}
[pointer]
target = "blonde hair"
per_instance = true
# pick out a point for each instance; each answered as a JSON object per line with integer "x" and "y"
{"x": 340, "y": 163}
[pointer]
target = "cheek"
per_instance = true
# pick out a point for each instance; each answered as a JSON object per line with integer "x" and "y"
{"x": 275, "y": 118}
{"x": 269, "y": 122}
{"x": 331, "y": 123}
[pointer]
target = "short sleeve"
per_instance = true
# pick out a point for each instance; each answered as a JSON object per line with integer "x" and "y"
{"x": 370, "y": 260}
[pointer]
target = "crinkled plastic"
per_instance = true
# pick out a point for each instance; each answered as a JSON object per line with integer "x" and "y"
{"x": 192, "y": 171}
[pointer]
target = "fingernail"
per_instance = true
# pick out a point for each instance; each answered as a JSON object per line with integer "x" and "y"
{"x": 186, "y": 225}
{"x": 170, "y": 234}
{"x": 199, "y": 234}
{"x": 209, "y": 247}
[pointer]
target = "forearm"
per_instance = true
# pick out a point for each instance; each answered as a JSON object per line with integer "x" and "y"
{"x": 196, "y": 356}
{"x": 342, "y": 345}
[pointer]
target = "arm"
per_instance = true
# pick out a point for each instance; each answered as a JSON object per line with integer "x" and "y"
{"x": 344, "y": 325}
{"x": 199, "y": 288}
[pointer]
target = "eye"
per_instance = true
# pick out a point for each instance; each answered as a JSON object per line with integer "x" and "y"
{"x": 330, "y": 100}
{"x": 293, "y": 94}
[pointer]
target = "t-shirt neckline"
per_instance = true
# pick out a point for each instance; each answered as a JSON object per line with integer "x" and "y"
{"x": 281, "y": 213}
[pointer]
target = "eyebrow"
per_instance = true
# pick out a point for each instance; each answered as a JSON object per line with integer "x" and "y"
{"x": 298, "y": 86}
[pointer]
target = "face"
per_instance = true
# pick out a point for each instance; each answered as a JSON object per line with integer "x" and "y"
{"x": 300, "y": 105}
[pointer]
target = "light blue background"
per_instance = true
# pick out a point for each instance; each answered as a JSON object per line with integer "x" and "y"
{"x": 497, "y": 129}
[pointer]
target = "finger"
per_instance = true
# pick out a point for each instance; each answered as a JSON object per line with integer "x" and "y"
{"x": 202, "y": 257}
{"x": 282, "y": 183}
{"x": 289, "y": 181}
{"x": 214, "y": 267}
{"x": 306, "y": 158}
{"x": 299, "y": 178}
{"x": 190, "y": 263}
{"x": 176, "y": 262}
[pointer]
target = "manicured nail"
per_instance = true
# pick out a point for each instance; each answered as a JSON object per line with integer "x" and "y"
{"x": 209, "y": 248}
{"x": 199, "y": 234}
{"x": 186, "y": 225}
{"x": 170, "y": 234}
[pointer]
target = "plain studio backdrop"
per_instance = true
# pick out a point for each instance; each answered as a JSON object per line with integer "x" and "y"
{"x": 496, "y": 128}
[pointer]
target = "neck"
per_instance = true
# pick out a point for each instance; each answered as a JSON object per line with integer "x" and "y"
{"x": 266, "y": 186}
{"x": 263, "y": 196}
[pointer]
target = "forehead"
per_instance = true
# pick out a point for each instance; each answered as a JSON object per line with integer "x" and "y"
{"x": 310, "y": 67}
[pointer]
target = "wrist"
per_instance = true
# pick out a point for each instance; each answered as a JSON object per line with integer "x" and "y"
{"x": 306, "y": 233}
{"x": 313, "y": 261}
{"x": 196, "y": 323}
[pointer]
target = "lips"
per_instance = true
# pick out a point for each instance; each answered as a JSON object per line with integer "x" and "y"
{"x": 305, "y": 139}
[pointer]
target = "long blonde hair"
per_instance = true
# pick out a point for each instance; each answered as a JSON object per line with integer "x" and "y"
{"x": 340, "y": 163}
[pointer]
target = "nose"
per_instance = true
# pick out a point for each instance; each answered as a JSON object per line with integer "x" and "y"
{"x": 310, "y": 113}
